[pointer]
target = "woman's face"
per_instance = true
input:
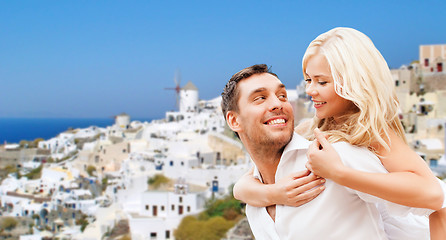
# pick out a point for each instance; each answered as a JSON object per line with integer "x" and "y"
{"x": 320, "y": 86}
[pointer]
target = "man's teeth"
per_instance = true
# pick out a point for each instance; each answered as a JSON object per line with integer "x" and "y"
{"x": 319, "y": 103}
{"x": 276, "y": 121}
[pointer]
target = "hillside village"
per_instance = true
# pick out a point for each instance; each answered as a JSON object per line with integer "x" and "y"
{"x": 84, "y": 183}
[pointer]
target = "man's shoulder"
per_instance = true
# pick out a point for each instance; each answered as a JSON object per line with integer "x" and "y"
{"x": 359, "y": 158}
{"x": 345, "y": 146}
{"x": 298, "y": 142}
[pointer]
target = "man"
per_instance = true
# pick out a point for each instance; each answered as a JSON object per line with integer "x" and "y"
{"x": 255, "y": 106}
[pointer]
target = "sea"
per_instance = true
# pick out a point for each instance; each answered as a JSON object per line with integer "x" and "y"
{"x": 13, "y": 130}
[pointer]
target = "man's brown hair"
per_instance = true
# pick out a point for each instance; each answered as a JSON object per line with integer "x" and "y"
{"x": 230, "y": 94}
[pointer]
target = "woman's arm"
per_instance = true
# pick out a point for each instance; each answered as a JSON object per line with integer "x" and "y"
{"x": 293, "y": 190}
{"x": 410, "y": 182}
{"x": 437, "y": 225}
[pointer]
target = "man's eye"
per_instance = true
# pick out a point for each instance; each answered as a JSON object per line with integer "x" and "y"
{"x": 282, "y": 96}
{"x": 259, "y": 98}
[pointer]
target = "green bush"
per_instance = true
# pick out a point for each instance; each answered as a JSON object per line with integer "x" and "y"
{"x": 158, "y": 180}
{"x": 9, "y": 223}
{"x": 90, "y": 170}
{"x": 11, "y": 169}
{"x": 35, "y": 173}
{"x": 213, "y": 223}
{"x": 214, "y": 228}
{"x": 221, "y": 207}
{"x": 104, "y": 183}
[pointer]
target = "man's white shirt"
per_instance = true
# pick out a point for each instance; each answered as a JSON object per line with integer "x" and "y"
{"x": 338, "y": 212}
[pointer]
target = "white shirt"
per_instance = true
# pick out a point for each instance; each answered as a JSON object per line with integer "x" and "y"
{"x": 337, "y": 213}
{"x": 409, "y": 223}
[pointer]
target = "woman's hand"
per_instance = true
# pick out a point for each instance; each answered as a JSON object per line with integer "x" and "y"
{"x": 297, "y": 189}
{"x": 323, "y": 160}
{"x": 293, "y": 190}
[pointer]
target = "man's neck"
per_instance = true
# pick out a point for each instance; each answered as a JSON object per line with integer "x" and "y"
{"x": 266, "y": 160}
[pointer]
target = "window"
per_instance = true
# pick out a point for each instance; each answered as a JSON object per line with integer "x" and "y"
{"x": 147, "y": 207}
{"x": 426, "y": 62}
{"x": 167, "y": 234}
{"x": 439, "y": 67}
{"x": 173, "y": 207}
{"x": 397, "y": 83}
{"x": 181, "y": 199}
{"x": 155, "y": 211}
{"x": 153, "y": 235}
{"x": 433, "y": 163}
{"x": 188, "y": 208}
{"x": 162, "y": 208}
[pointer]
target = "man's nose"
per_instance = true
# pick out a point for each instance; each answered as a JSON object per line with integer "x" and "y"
{"x": 276, "y": 104}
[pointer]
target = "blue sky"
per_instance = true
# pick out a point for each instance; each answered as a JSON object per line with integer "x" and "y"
{"x": 96, "y": 59}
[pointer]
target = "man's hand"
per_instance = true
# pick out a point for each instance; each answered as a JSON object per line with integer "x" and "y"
{"x": 297, "y": 189}
{"x": 323, "y": 160}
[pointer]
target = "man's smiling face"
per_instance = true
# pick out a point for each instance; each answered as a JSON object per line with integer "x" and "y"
{"x": 264, "y": 114}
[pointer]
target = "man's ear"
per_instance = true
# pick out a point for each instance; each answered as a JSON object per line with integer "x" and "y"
{"x": 233, "y": 121}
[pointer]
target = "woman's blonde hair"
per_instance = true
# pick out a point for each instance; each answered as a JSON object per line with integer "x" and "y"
{"x": 360, "y": 75}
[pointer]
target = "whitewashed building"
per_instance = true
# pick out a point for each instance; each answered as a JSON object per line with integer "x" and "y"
{"x": 162, "y": 210}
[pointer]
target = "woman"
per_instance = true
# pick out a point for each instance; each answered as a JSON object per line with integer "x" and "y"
{"x": 352, "y": 90}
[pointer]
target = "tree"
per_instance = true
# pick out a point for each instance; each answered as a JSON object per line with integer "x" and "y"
{"x": 36, "y": 218}
{"x": 23, "y": 144}
{"x": 83, "y": 222}
{"x": 36, "y": 141}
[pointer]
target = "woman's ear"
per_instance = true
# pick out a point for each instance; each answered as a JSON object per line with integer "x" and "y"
{"x": 232, "y": 120}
